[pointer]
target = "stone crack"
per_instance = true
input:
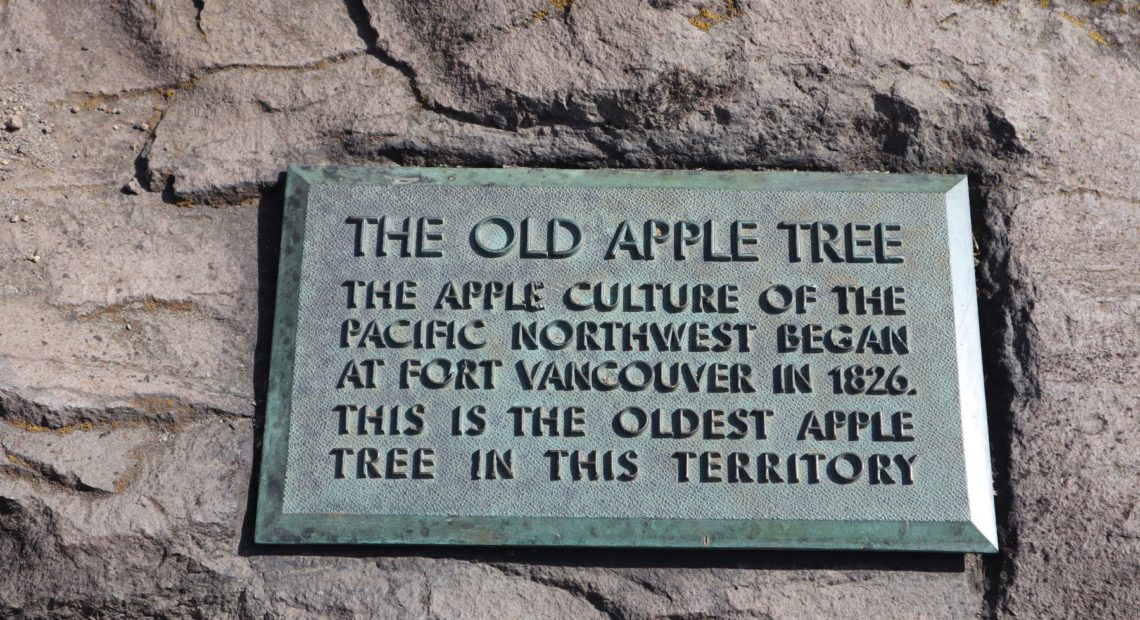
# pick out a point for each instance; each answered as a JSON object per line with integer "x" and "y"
{"x": 162, "y": 411}
{"x": 597, "y": 600}
{"x": 27, "y": 466}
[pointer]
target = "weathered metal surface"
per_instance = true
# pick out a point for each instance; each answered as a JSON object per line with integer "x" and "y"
{"x": 703, "y": 437}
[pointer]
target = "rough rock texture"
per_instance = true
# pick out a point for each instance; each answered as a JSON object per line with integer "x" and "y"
{"x": 134, "y": 323}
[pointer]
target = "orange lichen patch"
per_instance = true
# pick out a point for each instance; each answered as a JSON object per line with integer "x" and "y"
{"x": 92, "y": 102}
{"x": 156, "y": 114}
{"x": 148, "y": 304}
{"x": 126, "y": 478}
{"x": 63, "y": 430}
{"x": 154, "y": 405}
{"x": 1073, "y": 19}
{"x": 707, "y": 18}
{"x": 176, "y": 305}
{"x": 28, "y": 426}
{"x": 555, "y": 7}
{"x": 1083, "y": 24}
{"x": 16, "y": 460}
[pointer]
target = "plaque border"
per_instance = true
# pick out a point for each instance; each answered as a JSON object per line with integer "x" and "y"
{"x": 977, "y": 535}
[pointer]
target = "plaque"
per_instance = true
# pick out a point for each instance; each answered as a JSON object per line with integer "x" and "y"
{"x": 626, "y": 358}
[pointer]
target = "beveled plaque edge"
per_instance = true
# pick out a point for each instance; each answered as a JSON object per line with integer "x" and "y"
{"x": 971, "y": 382}
{"x": 278, "y": 402}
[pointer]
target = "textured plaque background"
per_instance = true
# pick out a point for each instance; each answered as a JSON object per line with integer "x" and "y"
{"x": 949, "y": 507}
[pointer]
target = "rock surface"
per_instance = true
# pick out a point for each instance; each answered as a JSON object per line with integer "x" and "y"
{"x": 134, "y": 324}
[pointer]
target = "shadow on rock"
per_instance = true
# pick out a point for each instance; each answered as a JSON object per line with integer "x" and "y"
{"x": 269, "y": 215}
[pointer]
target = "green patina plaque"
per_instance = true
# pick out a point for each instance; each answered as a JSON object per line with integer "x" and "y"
{"x": 626, "y": 358}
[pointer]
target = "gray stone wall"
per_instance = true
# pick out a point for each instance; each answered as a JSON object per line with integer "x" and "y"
{"x": 140, "y": 196}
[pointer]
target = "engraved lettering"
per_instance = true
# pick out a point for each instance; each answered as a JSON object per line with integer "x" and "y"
{"x": 828, "y": 242}
{"x": 415, "y": 237}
